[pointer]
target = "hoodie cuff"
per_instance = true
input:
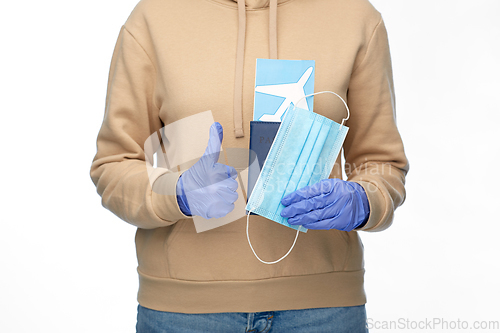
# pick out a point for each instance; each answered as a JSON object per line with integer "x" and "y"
{"x": 365, "y": 203}
{"x": 164, "y": 198}
{"x": 373, "y": 201}
{"x": 181, "y": 198}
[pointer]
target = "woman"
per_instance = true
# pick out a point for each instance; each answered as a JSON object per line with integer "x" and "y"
{"x": 175, "y": 59}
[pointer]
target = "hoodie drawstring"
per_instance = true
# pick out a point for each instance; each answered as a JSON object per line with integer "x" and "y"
{"x": 238, "y": 77}
{"x": 240, "y": 56}
{"x": 273, "y": 30}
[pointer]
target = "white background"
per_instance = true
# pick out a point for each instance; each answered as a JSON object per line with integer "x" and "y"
{"x": 68, "y": 264}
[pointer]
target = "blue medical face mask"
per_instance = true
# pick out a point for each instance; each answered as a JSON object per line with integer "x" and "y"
{"x": 304, "y": 152}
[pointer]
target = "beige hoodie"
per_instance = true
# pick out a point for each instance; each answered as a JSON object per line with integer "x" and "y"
{"x": 162, "y": 70}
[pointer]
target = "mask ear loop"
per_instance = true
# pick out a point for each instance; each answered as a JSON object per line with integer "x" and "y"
{"x": 276, "y": 261}
{"x": 330, "y": 92}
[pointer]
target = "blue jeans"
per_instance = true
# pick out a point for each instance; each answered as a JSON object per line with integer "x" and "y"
{"x": 350, "y": 319}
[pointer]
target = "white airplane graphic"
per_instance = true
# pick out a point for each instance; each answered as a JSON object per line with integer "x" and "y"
{"x": 292, "y": 93}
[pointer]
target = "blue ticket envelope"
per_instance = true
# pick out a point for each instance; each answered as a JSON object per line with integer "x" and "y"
{"x": 279, "y": 83}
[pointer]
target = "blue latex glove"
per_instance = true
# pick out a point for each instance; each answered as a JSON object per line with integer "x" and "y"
{"x": 208, "y": 188}
{"x": 329, "y": 204}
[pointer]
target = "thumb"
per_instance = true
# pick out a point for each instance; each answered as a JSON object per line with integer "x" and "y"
{"x": 214, "y": 143}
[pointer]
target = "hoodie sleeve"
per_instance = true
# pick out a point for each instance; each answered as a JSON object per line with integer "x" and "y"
{"x": 119, "y": 169}
{"x": 374, "y": 152}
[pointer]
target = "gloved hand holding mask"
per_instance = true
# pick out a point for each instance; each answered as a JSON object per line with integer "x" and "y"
{"x": 208, "y": 188}
{"x": 329, "y": 204}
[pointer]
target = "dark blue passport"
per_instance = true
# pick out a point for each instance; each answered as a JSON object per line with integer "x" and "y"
{"x": 262, "y": 135}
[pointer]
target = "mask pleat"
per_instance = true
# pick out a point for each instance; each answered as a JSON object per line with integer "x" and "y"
{"x": 315, "y": 153}
{"x": 329, "y": 152}
{"x": 302, "y": 162}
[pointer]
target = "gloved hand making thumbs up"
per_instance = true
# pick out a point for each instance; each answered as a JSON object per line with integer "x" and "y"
{"x": 208, "y": 188}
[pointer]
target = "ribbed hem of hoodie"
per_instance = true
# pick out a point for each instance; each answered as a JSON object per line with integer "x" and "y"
{"x": 335, "y": 289}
